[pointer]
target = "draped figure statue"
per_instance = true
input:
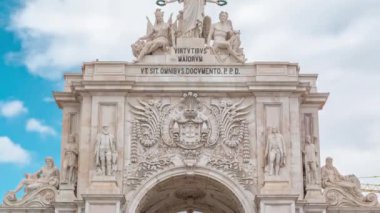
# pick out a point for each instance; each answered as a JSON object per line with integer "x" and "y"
{"x": 193, "y": 16}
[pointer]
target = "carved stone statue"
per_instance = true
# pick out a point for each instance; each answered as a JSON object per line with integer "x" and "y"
{"x": 70, "y": 161}
{"x": 106, "y": 153}
{"x": 344, "y": 190}
{"x": 42, "y": 183}
{"x": 192, "y": 16}
{"x": 157, "y": 38}
{"x": 311, "y": 154}
{"x": 275, "y": 152}
{"x": 331, "y": 177}
{"x": 225, "y": 38}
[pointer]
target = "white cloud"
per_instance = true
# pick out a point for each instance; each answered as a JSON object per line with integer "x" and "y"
{"x": 34, "y": 125}
{"x": 339, "y": 40}
{"x": 11, "y": 152}
{"x": 12, "y": 108}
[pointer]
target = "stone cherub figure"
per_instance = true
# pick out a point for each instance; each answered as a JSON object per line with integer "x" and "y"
{"x": 275, "y": 152}
{"x": 106, "y": 153}
{"x": 225, "y": 38}
{"x": 311, "y": 153}
{"x": 160, "y": 36}
{"x": 70, "y": 161}
{"x": 46, "y": 176}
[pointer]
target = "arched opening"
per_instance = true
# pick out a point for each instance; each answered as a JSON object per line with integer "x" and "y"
{"x": 190, "y": 194}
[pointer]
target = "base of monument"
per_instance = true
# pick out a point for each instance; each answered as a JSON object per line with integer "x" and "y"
{"x": 276, "y": 203}
{"x": 276, "y": 184}
{"x": 65, "y": 207}
{"x": 101, "y": 203}
{"x": 314, "y": 194}
{"x": 103, "y": 185}
{"x": 66, "y": 193}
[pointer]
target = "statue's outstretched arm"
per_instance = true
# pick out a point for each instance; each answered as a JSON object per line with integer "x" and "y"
{"x": 212, "y": 1}
{"x": 170, "y": 1}
{"x": 37, "y": 174}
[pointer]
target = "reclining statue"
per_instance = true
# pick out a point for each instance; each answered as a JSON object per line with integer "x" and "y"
{"x": 344, "y": 190}
{"x": 46, "y": 177}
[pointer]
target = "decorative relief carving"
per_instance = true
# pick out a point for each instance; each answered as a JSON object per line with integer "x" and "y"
{"x": 190, "y": 125}
{"x": 147, "y": 125}
{"x": 344, "y": 191}
{"x": 40, "y": 188}
{"x": 190, "y": 133}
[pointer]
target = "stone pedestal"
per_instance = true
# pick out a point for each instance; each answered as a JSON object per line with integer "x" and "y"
{"x": 66, "y": 193}
{"x": 307, "y": 207}
{"x": 65, "y": 207}
{"x": 276, "y": 203}
{"x": 314, "y": 194}
{"x": 104, "y": 185}
{"x": 191, "y": 42}
{"x": 65, "y": 200}
{"x": 315, "y": 208}
{"x": 103, "y": 203}
{"x": 275, "y": 185}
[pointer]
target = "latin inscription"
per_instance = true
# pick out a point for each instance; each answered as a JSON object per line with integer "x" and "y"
{"x": 185, "y": 54}
{"x": 196, "y": 71}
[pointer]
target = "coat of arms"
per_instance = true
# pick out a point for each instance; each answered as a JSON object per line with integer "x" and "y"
{"x": 190, "y": 124}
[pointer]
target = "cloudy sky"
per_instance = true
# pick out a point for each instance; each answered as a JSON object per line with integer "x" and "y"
{"x": 42, "y": 39}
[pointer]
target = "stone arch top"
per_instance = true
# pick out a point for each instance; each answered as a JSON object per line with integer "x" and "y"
{"x": 202, "y": 176}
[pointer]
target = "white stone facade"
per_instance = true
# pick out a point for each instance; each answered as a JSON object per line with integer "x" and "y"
{"x": 191, "y": 141}
{"x": 191, "y": 127}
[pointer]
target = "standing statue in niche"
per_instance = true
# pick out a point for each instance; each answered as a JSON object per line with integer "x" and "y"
{"x": 193, "y": 16}
{"x": 225, "y": 38}
{"x": 160, "y": 36}
{"x": 70, "y": 161}
{"x": 275, "y": 152}
{"x": 106, "y": 153}
{"x": 46, "y": 176}
{"x": 311, "y": 154}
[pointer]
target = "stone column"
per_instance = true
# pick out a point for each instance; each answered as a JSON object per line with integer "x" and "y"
{"x": 84, "y": 144}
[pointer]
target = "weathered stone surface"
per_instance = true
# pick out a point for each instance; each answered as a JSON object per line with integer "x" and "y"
{"x": 191, "y": 126}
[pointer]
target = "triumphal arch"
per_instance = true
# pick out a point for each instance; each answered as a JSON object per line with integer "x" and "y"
{"x": 190, "y": 126}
